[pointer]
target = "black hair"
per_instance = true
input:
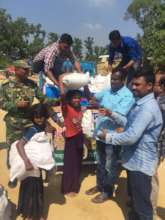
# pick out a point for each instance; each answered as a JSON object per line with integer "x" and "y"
{"x": 122, "y": 73}
{"x": 114, "y": 35}
{"x": 146, "y": 73}
{"x": 38, "y": 110}
{"x": 71, "y": 93}
{"x": 66, "y": 38}
{"x": 160, "y": 72}
{"x": 162, "y": 82}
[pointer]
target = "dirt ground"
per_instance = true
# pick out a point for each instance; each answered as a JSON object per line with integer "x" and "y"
{"x": 80, "y": 207}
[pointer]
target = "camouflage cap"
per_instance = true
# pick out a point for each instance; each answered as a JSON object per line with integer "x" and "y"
{"x": 21, "y": 64}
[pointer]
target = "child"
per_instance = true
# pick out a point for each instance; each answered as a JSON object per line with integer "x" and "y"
{"x": 73, "y": 152}
{"x": 30, "y": 203}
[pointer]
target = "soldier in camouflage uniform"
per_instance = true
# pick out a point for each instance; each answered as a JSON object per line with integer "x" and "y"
{"x": 16, "y": 97}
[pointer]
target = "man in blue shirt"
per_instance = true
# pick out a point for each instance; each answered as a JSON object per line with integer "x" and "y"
{"x": 129, "y": 51}
{"x": 114, "y": 104}
{"x": 139, "y": 141}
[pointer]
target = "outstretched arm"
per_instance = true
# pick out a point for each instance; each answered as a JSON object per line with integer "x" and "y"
{"x": 77, "y": 66}
{"x": 51, "y": 77}
{"x": 21, "y": 150}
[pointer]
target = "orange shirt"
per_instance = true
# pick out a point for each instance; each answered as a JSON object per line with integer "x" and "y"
{"x": 72, "y": 121}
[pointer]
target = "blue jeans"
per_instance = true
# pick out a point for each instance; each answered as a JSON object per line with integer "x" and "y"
{"x": 107, "y": 168}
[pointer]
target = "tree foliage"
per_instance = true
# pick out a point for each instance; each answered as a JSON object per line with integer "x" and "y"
{"x": 99, "y": 51}
{"x": 20, "y": 39}
{"x": 52, "y": 37}
{"x": 78, "y": 47}
{"x": 5, "y": 32}
{"x": 150, "y": 16}
{"x": 89, "y": 43}
{"x": 93, "y": 51}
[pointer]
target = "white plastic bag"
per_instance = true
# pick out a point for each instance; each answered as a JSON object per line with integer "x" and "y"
{"x": 99, "y": 83}
{"x": 76, "y": 80}
{"x": 88, "y": 123}
{"x": 39, "y": 152}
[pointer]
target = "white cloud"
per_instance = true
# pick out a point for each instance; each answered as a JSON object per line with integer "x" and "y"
{"x": 93, "y": 26}
{"x": 98, "y": 3}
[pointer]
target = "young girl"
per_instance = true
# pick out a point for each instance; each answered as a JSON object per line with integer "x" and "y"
{"x": 30, "y": 203}
{"x": 73, "y": 151}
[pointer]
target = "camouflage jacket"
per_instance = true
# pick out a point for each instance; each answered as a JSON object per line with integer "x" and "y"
{"x": 13, "y": 91}
{"x": 18, "y": 119}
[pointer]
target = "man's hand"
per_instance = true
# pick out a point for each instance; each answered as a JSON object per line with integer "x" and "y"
{"x": 105, "y": 112}
{"x": 78, "y": 66}
{"x": 119, "y": 130}
{"x": 110, "y": 68}
{"x": 128, "y": 65}
{"x": 51, "y": 77}
{"x": 22, "y": 104}
{"x": 102, "y": 134}
{"x": 93, "y": 103}
{"x": 125, "y": 68}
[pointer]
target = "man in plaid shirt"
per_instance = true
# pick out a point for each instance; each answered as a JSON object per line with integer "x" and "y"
{"x": 50, "y": 59}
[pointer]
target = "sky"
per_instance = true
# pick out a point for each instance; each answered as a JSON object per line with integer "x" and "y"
{"x": 80, "y": 18}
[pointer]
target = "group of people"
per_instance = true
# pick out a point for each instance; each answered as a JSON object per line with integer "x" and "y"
{"x": 129, "y": 127}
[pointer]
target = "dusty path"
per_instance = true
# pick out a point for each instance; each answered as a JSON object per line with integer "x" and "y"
{"x": 80, "y": 208}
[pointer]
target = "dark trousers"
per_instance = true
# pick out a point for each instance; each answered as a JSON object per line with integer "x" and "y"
{"x": 131, "y": 72}
{"x": 57, "y": 69}
{"x": 73, "y": 154}
{"x": 140, "y": 190}
{"x": 107, "y": 167}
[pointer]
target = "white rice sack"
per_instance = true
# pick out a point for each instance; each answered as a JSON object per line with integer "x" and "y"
{"x": 76, "y": 80}
{"x": 88, "y": 123}
{"x": 39, "y": 152}
{"x": 99, "y": 83}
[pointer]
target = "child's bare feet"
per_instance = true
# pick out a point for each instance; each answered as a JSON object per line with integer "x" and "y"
{"x": 71, "y": 194}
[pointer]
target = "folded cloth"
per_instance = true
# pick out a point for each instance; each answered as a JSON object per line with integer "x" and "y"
{"x": 87, "y": 123}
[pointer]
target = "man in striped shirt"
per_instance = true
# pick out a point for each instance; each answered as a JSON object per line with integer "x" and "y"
{"x": 50, "y": 59}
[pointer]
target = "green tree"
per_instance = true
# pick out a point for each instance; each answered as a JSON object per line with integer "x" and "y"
{"x": 77, "y": 47}
{"x": 35, "y": 46}
{"x": 89, "y": 44}
{"x": 150, "y": 16}
{"x": 5, "y": 32}
{"x": 99, "y": 51}
{"x": 52, "y": 37}
{"x": 19, "y": 39}
{"x": 28, "y": 38}
{"x": 35, "y": 39}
